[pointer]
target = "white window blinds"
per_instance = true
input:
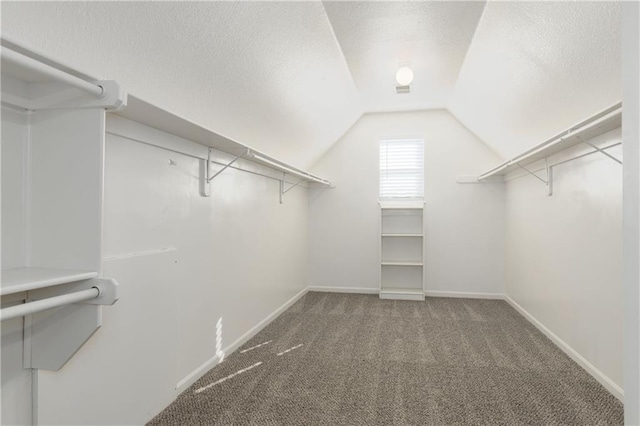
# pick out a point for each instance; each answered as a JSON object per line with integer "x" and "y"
{"x": 402, "y": 168}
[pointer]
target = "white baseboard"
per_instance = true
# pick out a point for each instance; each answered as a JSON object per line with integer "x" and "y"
{"x": 605, "y": 381}
{"x": 465, "y": 295}
{"x": 354, "y": 290}
{"x": 228, "y": 350}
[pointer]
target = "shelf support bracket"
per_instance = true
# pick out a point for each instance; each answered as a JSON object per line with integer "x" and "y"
{"x": 602, "y": 151}
{"x": 548, "y": 182}
{"x": 292, "y": 186}
{"x": 281, "y": 191}
{"x": 205, "y": 171}
{"x": 533, "y": 174}
{"x": 283, "y": 183}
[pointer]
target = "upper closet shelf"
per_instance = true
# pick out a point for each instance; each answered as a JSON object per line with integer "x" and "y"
{"x": 153, "y": 116}
{"x": 31, "y": 83}
{"x": 25, "y": 279}
{"x": 603, "y": 122}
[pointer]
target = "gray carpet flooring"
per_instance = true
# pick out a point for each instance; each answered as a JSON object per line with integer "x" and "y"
{"x": 344, "y": 359}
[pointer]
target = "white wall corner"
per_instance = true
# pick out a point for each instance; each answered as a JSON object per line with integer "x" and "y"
{"x": 603, "y": 379}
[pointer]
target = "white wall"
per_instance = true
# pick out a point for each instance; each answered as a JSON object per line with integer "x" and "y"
{"x": 16, "y": 381}
{"x": 464, "y": 236}
{"x": 14, "y": 150}
{"x": 534, "y": 68}
{"x": 564, "y": 253}
{"x": 631, "y": 203}
{"x": 184, "y": 262}
{"x": 259, "y": 52}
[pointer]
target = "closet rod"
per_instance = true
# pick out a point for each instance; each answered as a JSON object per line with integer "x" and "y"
{"x": 39, "y": 67}
{"x": 197, "y": 157}
{"x": 49, "y": 303}
{"x": 288, "y": 169}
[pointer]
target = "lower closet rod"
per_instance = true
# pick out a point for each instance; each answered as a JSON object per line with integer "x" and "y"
{"x": 51, "y": 302}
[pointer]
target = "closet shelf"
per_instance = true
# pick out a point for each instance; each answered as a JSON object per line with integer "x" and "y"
{"x": 153, "y": 116}
{"x": 396, "y": 263}
{"x": 401, "y": 294}
{"x": 598, "y": 124}
{"x": 17, "y": 280}
{"x": 402, "y": 235}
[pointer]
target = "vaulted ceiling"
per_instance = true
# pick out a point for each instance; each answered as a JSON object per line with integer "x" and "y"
{"x": 433, "y": 37}
{"x": 290, "y": 78}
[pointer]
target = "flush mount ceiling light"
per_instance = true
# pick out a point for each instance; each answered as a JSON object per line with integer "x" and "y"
{"x": 404, "y": 76}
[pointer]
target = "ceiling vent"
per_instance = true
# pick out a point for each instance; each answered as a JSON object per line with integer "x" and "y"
{"x": 402, "y": 89}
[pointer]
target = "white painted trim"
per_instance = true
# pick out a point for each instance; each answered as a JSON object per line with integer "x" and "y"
{"x": 193, "y": 377}
{"x": 605, "y": 381}
{"x": 464, "y": 295}
{"x": 401, "y": 295}
{"x": 354, "y": 290}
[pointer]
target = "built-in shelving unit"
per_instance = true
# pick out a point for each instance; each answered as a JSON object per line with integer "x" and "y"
{"x": 53, "y": 124}
{"x": 401, "y": 250}
{"x": 596, "y": 125}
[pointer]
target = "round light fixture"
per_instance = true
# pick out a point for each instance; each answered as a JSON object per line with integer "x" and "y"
{"x": 404, "y": 76}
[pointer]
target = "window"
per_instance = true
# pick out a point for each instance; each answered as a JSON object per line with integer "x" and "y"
{"x": 402, "y": 168}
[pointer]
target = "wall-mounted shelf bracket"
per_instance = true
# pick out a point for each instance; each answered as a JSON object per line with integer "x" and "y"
{"x": 205, "y": 171}
{"x": 549, "y": 171}
{"x": 283, "y": 183}
{"x": 603, "y": 152}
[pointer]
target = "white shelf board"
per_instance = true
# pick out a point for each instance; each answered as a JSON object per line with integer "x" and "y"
{"x": 401, "y": 204}
{"x": 397, "y": 263}
{"x": 17, "y": 280}
{"x": 402, "y": 294}
{"x": 158, "y": 118}
{"x": 599, "y": 124}
{"x": 402, "y": 235}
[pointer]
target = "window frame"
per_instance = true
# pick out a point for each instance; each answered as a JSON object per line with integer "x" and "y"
{"x": 418, "y": 196}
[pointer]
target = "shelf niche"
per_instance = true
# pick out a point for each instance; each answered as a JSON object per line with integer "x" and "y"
{"x": 401, "y": 250}
{"x": 53, "y": 132}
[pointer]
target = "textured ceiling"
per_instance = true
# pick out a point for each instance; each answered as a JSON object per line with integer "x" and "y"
{"x": 270, "y": 75}
{"x": 536, "y": 68}
{"x": 431, "y": 36}
{"x": 290, "y": 78}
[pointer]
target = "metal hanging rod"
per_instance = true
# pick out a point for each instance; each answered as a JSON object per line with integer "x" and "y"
{"x": 49, "y": 303}
{"x": 303, "y": 175}
{"x": 16, "y": 58}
